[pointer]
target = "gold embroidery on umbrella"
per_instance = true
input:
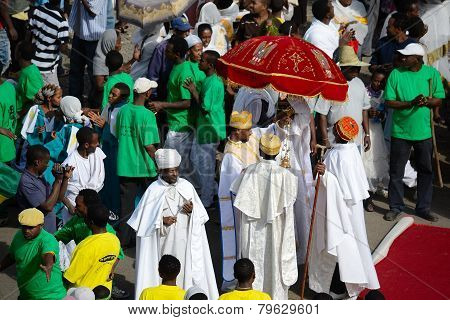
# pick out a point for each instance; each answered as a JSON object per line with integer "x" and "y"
{"x": 262, "y": 51}
{"x": 295, "y": 57}
{"x": 324, "y": 63}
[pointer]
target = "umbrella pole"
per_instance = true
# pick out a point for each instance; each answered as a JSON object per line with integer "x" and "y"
{"x": 433, "y": 135}
{"x": 311, "y": 228}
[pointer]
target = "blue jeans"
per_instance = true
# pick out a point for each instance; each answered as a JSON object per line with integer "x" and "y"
{"x": 81, "y": 55}
{"x": 400, "y": 152}
{"x": 5, "y": 51}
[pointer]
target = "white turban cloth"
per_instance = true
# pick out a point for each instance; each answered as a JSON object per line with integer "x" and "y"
{"x": 167, "y": 158}
{"x": 71, "y": 108}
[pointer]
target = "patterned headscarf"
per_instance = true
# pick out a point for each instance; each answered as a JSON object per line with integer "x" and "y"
{"x": 46, "y": 92}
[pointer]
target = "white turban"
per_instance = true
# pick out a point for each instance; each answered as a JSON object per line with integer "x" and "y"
{"x": 71, "y": 108}
{"x": 167, "y": 158}
{"x": 192, "y": 291}
{"x": 192, "y": 40}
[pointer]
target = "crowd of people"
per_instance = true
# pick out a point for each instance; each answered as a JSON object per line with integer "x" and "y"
{"x": 143, "y": 153}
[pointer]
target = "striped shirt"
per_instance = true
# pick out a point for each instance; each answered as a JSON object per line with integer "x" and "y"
{"x": 50, "y": 29}
{"x": 85, "y": 26}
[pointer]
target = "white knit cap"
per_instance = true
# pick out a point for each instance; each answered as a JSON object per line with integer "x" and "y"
{"x": 413, "y": 49}
{"x": 192, "y": 40}
{"x": 167, "y": 158}
{"x": 142, "y": 85}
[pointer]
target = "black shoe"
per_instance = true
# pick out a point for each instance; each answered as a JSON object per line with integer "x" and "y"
{"x": 428, "y": 216}
{"x": 391, "y": 215}
{"x": 119, "y": 294}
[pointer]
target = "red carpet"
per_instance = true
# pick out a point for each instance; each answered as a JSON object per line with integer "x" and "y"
{"x": 417, "y": 266}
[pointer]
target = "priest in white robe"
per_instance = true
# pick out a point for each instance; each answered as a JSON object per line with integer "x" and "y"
{"x": 241, "y": 150}
{"x": 265, "y": 197}
{"x": 89, "y": 172}
{"x": 296, "y": 130}
{"x": 354, "y": 14}
{"x": 339, "y": 232}
{"x": 170, "y": 219}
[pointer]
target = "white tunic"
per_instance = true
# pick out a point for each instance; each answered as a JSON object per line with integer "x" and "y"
{"x": 323, "y": 36}
{"x": 87, "y": 174}
{"x": 357, "y": 101}
{"x": 186, "y": 239}
{"x": 296, "y": 141}
{"x": 265, "y": 196}
{"x": 356, "y": 12}
{"x": 237, "y": 156}
{"x": 340, "y": 232}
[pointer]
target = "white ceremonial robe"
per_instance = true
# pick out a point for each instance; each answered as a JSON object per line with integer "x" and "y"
{"x": 296, "y": 141}
{"x": 437, "y": 17}
{"x": 340, "y": 232}
{"x": 87, "y": 174}
{"x": 323, "y": 36}
{"x": 372, "y": 20}
{"x": 356, "y": 12}
{"x": 237, "y": 157}
{"x": 265, "y": 197}
{"x": 186, "y": 239}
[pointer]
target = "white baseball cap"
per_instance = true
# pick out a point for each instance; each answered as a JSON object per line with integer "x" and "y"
{"x": 413, "y": 49}
{"x": 142, "y": 85}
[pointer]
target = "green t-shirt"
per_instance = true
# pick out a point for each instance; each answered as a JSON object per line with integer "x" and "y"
{"x": 77, "y": 230}
{"x": 8, "y": 120}
{"x": 136, "y": 128}
{"x": 211, "y": 125}
{"x": 404, "y": 85}
{"x": 178, "y": 120}
{"x": 29, "y": 83}
{"x": 112, "y": 81}
{"x": 198, "y": 78}
{"x": 31, "y": 279}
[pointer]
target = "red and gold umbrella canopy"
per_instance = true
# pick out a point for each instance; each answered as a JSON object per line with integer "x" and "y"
{"x": 288, "y": 64}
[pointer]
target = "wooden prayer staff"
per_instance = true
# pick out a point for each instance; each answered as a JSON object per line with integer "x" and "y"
{"x": 311, "y": 226}
{"x": 433, "y": 134}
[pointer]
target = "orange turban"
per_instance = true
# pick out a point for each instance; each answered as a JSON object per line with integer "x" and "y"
{"x": 346, "y": 128}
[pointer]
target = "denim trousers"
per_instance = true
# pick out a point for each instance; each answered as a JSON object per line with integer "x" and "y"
{"x": 400, "y": 153}
{"x": 5, "y": 51}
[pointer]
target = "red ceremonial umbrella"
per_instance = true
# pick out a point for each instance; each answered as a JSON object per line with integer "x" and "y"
{"x": 288, "y": 64}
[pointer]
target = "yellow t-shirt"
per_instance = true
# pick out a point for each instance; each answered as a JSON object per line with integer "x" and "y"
{"x": 163, "y": 292}
{"x": 92, "y": 261}
{"x": 245, "y": 295}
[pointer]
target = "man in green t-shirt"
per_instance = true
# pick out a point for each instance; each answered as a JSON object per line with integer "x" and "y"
{"x": 114, "y": 62}
{"x": 30, "y": 79}
{"x": 412, "y": 91}
{"x": 178, "y": 105}
{"x": 8, "y": 121}
{"x": 36, "y": 255}
{"x": 138, "y": 137}
{"x": 210, "y": 125}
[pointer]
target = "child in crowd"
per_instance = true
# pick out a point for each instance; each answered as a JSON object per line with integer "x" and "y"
{"x": 244, "y": 272}
{"x": 376, "y": 159}
{"x": 169, "y": 267}
{"x": 204, "y": 32}
{"x": 114, "y": 62}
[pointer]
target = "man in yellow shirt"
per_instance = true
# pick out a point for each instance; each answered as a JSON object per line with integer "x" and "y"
{"x": 95, "y": 258}
{"x": 244, "y": 272}
{"x": 169, "y": 267}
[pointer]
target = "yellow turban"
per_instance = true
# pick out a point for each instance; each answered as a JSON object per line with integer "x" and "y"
{"x": 241, "y": 120}
{"x": 31, "y": 217}
{"x": 270, "y": 144}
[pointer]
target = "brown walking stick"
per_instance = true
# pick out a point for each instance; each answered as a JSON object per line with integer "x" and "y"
{"x": 433, "y": 135}
{"x": 311, "y": 226}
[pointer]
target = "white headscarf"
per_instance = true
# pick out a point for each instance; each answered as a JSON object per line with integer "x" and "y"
{"x": 167, "y": 158}
{"x": 209, "y": 14}
{"x": 71, "y": 108}
{"x": 231, "y": 12}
